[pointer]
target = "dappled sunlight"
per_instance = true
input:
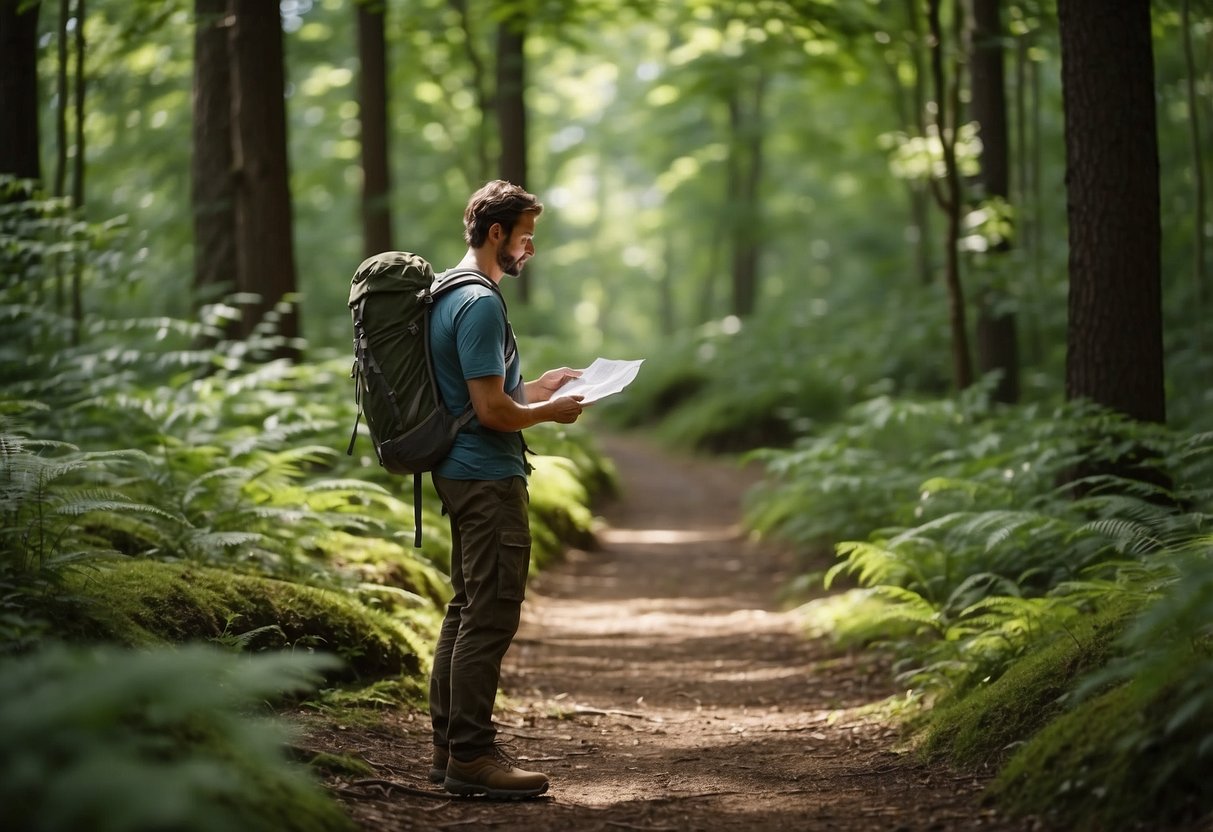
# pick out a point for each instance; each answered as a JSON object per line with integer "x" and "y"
{"x": 646, "y": 616}
{"x": 663, "y": 537}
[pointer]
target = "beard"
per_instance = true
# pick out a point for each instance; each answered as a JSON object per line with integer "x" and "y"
{"x": 510, "y": 265}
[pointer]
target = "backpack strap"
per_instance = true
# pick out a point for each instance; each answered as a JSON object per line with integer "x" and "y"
{"x": 416, "y": 511}
{"x": 358, "y": 370}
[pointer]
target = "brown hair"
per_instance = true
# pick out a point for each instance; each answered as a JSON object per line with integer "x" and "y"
{"x": 497, "y": 202}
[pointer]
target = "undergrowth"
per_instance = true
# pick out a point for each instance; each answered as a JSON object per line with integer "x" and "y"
{"x": 113, "y": 740}
{"x": 161, "y": 484}
{"x": 1023, "y": 605}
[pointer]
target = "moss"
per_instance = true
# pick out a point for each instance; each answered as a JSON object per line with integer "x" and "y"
{"x": 983, "y": 727}
{"x": 141, "y": 603}
{"x": 1081, "y": 771}
{"x": 326, "y": 763}
{"x": 388, "y": 563}
{"x": 559, "y": 509}
{"x": 356, "y": 705}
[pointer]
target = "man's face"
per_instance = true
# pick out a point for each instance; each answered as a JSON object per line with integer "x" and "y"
{"x": 512, "y": 253}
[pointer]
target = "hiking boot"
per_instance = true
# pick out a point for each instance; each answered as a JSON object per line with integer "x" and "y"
{"x": 493, "y": 774}
{"x": 438, "y": 766}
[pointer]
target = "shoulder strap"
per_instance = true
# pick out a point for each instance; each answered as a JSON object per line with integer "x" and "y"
{"x": 463, "y": 277}
{"x": 454, "y": 278}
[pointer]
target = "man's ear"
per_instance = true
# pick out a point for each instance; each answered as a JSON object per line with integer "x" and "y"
{"x": 496, "y": 233}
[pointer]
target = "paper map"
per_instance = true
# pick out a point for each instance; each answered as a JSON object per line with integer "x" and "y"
{"x": 605, "y": 377}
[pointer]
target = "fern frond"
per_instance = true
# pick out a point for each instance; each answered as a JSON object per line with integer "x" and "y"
{"x": 1127, "y": 536}
{"x": 905, "y": 605}
{"x": 873, "y": 564}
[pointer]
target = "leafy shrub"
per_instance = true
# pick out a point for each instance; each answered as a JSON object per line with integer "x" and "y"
{"x": 118, "y": 741}
{"x": 1001, "y": 593}
{"x": 1137, "y": 741}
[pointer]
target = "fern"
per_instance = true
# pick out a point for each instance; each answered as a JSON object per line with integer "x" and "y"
{"x": 111, "y": 740}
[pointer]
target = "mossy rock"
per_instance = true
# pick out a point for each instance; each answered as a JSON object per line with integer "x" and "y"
{"x": 143, "y": 603}
{"x": 986, "y": 725}
{"x": 1084, "y": 772}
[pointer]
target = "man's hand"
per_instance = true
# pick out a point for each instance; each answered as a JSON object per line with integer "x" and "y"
{"x": 565, "y": 409}
{"x": 547, "y": 384}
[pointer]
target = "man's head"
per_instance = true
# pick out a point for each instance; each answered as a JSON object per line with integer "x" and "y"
{"x": 512, "y": 212}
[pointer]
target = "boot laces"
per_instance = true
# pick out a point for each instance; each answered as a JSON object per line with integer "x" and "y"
{"x": 502, "y": 755}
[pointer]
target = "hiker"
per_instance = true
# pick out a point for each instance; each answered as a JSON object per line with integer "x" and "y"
{"x": 483, "y": 487}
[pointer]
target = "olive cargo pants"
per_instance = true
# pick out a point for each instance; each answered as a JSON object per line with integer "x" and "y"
{"x": 490, "y": 557}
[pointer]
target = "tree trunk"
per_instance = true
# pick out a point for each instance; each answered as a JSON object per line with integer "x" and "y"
{"x": 484, "y": 103}
{"x": 212, "y": 179}
{"x": 19, "y": 93}
{"x": 997, "y": 347}
{"x": 1199, "y": 153}
{"x": 78, "y": 168}
{"x": 61, "y": 96}
{"x": 746, "y": 126}
{"x": 947, "y": 104}
{"x": 511, "y": 114}
{"x": 373, "y": 111}
{"x": 264, "y": 233}
{"x": 1115, "y": 354}
{"x": 919, "y": 192}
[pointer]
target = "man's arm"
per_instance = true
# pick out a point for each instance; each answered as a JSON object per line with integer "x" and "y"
{"x": 497, "y": 411}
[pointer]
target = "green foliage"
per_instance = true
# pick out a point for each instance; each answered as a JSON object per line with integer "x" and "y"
{"x": 1145, "y": 719}
{"x": 119, "y": 741}
{"x": 159, "y": 484}
{"x": 1003, "y": 594}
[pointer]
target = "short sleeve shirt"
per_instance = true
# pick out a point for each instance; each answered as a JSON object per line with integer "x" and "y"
{"x": 468, "y": 340}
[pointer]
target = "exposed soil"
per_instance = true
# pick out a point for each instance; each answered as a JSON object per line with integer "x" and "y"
{"x": 660, "y": 685}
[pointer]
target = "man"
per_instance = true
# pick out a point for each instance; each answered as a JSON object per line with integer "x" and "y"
{"x": 483, "y": 488}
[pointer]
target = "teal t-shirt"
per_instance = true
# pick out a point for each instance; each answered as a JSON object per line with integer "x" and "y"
{"x": 468, "y": 340}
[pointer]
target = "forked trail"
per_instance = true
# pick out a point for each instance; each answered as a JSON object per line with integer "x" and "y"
{"x": 659, "y": 684}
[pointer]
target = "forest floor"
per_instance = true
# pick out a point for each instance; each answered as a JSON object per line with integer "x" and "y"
{"x": 661, "y": 685}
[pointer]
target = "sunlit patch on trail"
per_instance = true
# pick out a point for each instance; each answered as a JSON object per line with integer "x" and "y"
{"x": 655, "y": 537}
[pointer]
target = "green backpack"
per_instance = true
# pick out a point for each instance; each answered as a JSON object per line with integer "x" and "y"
{"x": 391, "y": 296}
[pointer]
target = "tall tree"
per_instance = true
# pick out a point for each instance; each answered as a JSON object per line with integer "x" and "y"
{"x": 743, "y": 201}
{"x": 61, "y": 98}
{"x": 511, "y": 111}
{"x": 78, "y": 168}
{"x": 947, "y": 107}
{"x": 19, "y": 91}
{"x": 911, "y": 104}
{"x": 997, "y": 340}
{"x": 1115, "y": 350}
{"x": 264, "y": 226}
{"x": 373, "y": 114}
{"x": 212, "y": 182}
{"x": 480, "y": 87}
{"x": 1192, "y": 87}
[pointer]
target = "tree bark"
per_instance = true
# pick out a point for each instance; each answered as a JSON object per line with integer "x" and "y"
{"x": 19, "y": 148}
{"x": 946, "y": 112}
{"x": 997, "y": 340}
{"x": 511, "y": 114}
{"x": 212, "y": 180}
{"x": 78, "y": 168}
{"x": 1199, "y": 153}
{"x": 61, "y": 94}
{"x": 373, "y": 112}
{"x": 746, "y": 126}
{"x": 264, "y": 226}
{"x": 1115, "y": 353}
{"x": 484, "y": 100}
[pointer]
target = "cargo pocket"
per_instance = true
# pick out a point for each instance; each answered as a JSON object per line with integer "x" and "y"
{"x": 513, "y": 561}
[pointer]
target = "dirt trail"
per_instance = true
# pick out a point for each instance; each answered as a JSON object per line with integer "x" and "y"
{"x": 660, "y": 686}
